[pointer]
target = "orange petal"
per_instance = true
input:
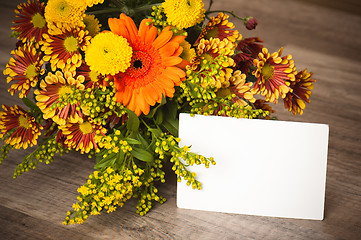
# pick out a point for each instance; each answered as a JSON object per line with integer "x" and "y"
{"x": 163, "y": 38}
{"x": 117, "y": 26}
{"x": 130, "y": 25}
{"x": 168, "y": 50}
{"x": 171, "y": 61}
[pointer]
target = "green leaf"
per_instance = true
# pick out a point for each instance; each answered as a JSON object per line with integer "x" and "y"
{"x": 172, "y": 125}
{"x": 29, "y": 103}
{"x": 155, "y": 131}
{"x": 142, "y": 154}
{"x": 172, "y": 110}
{"x": 154, "y": 110}
{"x": 133, "y": 121}
{"x": 105, "y": 162}
{"x": 159, "y": 117}
{"x": 144, "y": 142}
{"x": 132, "y": 141}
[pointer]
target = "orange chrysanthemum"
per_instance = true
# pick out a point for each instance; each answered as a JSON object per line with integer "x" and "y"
{"x": 24, "y": 68}
{"x": 80, "y": 136}
{"x": 301, "y": 92}
{"x": 25, "y": 128}
{"x": 58, "y": 97}
{"x": 274, "y": 75}
{"x": 30, "y": 22}
{"x": 153, "y": 72}
{"x": 64, "y": 50}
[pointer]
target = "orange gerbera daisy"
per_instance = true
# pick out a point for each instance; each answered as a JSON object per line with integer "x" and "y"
{"x": 23, "y": 128}
{"x": 64, "y": 50}
{"x": 30, "y": 22}
{"x": 80, "y": 136}
{"x": 58, "y": 97}
{"x": 302, "y": 86}
{"x": 24, "y": 68}
{"x": 274, "y": 75}
{"x": 153, "y": 72}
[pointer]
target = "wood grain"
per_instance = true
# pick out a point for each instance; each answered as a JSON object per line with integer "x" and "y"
{"x": 321, "y": 35}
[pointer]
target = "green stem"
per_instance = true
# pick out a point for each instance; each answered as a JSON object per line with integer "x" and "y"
{"x": 109, "y": 10}
{"x": 229, "y": 12}
{"x": 210, "y": 5}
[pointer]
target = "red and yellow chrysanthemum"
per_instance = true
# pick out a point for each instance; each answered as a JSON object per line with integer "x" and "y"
{"x": 208, "y": 51}
{"x": 248, "y": 49}
{"x": 153, "y": 72}
{"x": 92, "y": 78}
{"x": 80, "y": 136}
{"x": 23, "y": 128}
{"x": 30, "y": 21}
{"x": 219, "y": 27}
{"x": 264, "y": 105}
{"x": 301, "y": 92}
{"x": 24, "y": 69}
{"x": 240, "y": 89}
{"x": 64, "y": 50}
{"x": 274, "y": 75}
{"x": 59, "y": 97}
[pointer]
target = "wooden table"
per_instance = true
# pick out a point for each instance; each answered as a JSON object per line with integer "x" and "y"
{"x": 324, "y": 36}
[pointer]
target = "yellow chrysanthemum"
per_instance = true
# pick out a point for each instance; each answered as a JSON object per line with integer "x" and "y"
{"x": 108, "y": 53}
{"x": 92, "y": 25}
{"x": 63, "y": 13}
{"x": 90, "y": 3}
{"x": 184, "y": 13}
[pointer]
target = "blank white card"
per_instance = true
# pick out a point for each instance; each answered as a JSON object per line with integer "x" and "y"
{"x": 264, "y": 167}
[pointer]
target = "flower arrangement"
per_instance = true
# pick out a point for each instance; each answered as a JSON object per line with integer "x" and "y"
{"x": 108, "y": 78}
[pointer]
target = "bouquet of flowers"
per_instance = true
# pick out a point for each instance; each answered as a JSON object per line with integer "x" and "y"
{"x": 108, "y": 78}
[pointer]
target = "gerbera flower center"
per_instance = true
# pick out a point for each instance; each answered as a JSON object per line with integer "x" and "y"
{"x": 86, "y": 127}
{"x": 267, "y": 71}
{"x": 38, "y": 20}
{"x": 141, "y": 62}
{"x": 31, "y": 71}
{"x": 71, "y": 44}
{"x": 23, "y": 122}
